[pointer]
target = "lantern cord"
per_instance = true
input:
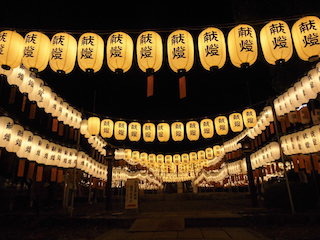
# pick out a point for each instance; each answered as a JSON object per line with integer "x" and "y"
{"x": 161, "y": 30}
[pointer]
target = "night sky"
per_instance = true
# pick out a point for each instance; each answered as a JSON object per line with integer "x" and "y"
{"x": 209, "y": 93}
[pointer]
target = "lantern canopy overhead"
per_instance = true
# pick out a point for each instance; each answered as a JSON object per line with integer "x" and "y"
{"x": 242, "y": 45}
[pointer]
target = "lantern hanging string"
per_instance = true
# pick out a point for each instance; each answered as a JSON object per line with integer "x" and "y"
{"x": 160, "y": 30}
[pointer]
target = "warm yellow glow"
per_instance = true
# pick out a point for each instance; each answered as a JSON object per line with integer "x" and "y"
{"x": 63, "y": 53}
{"x": 193, "y": 157}
{"x": 276, "y": 42}
{"x": 12, "y": 46}
{"x": 212, "y": 48}
{"x": 306, "y": 37}
{"x": 217, "y": 151}
{"x": 134, "y": 131}
{"x": 209, "y": 153}
{"x": 94, "y": 125}
{"x": 249, "y": 118}
{"x": 207, "y": 128}
{"x": 193, "y": 131}
{"x": 221, "y": 125}
{"x": 149, "y": 132}
{"x": 149, "y": 51}
{"x": 180, "y": 50}
{"x": 242, "y": 45}
{"x": 163, "y": 132}
{"x": 236, "y": 122}
{"x": 37, "y": 50}
{"x": 119, "y": 51}
{"x": 127, "y": 154}
{"x": 176, "y": 159}
{"x": 177, "y": 131}
{"x": 120, "y": 130}
{"x": 106, "y": 128}
{"x": 90, "y": 52}
{"x": 135, "y": 156}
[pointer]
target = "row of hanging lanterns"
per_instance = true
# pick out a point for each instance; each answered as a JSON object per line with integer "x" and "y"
{"x": 27, "y": 145}
{"x": 265, "y": 155}
{"x": 149, "y": 131}
{"x": 301, "y": 92}
{"x": 36, "y": 50}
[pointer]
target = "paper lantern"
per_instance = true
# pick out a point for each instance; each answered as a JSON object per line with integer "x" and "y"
{"x": 119, "y": 52}
{"x": 134, "y": 131}
{"x": 201, "y": 155}
{"x": 180, "y": 52}
{"x": 37, "y": 91}
{"x": 193, "y": 130}
{"x": 315, "y": 135}
{"x": 6, "y": 125}
{"x": 149, "y": 56}
{"x": 15, "y": 141}
{"x": 249, "y": 117}
{"x": 160, "y": 159}
{"x": 217, "y": 151}
{"x": 176, "y": 159}
{"x": 206, "y": 127}
{"x": 276, "y": 42}
{"x": 193, "y": 157}
{"x": 209, "y": 153}
{"x": 168, "y": 159}
{"x": 185, "y": 159}
{"x": 94, "y": 125}
{"x": 120, "y": 130}
{"x": 163, "y": 132}
{"x": 242, "y": 45}
{"x": 11, "y": 50}
{"x": 212, "y": 48}
{"x": 135, "y": 156}
{"x": 177, "y": 131}
{"x": 27, "y": 83}
{"x": 63, "y": 53}
{"x": 314, "y": 78}
{"x": 36, "y": 148}
{"x": 37, "y": 51}
{"x": 26, "y": 144}
{"x": 306, "y": 38}
{"x": 90, "y": 52}
{"x": 300, "y": 94}
{"x": 152, "y": 159}
{"x": 16, "y": 76}
{"x": 106, "y": 128}
{"x": 143, "y": 158}
{"x": 149, "y": 132}
{"x": 221, "y": 125}
{"x": 127, "y": 154}
{"x": 236, "y": 122}
{"x": 308, "y": 88}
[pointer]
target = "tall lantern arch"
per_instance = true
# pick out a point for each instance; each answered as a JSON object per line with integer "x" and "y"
{"x": 180, "y": 50}
{"x": 149, "y": 51}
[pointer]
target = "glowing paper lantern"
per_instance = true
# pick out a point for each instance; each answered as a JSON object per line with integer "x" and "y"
{"x": 236, "y": 122}
{"x": 119, "y": 52}
{"x": 149, "y": 132}
{"x": 6, "y": 125}
{"x": 143, "y": 158}
{"x": 177, "y": 131}
{"x": 176, "y": 159}
{"x": 36, "y": 51}
{"x": 201, "y": 155}
{"x": 127, "y": 154}
{"x": 63, "y": 53}
{"x": 160, "y": 159}
{"x": 152, "y": 159}
{"x": 135, "y": 156}
{"x": 106, "y": 128}
{"x": 26, "y": 145}
{"x": 134, "y": 131}
{"x": 193, "y": 157}
{"x": 242, "y": 45}
{"x": 206, "y": 127}
{"x": 149, "y": 56}
{"x": 249, "y": 118}
{"x": 120, "y": 130}
{"x": 163, "y": 132}
{"x": 276, "y": 42}
{"x": 14, "y": 143}
{"x": 185, "y": 158}
{"x": 90, "y": 52}
{"x": 306, "y": 38}
{"x": 94, "y": 125}
{"x": 193, "y": 131}
{"x": 212, "y": 48}
{"x": 168, "y": 159}
{"x": 221, "y": 125}
{"x": 217, "y": 151}
{"x": 180, "y": 52}
{"x": 12, "y": 46}
{"x": 209, "y": 153}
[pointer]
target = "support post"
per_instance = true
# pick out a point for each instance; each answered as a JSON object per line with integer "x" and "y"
{"x": 110, "y": 159}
